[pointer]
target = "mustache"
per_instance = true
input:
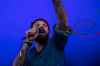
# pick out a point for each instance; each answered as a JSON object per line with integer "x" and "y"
{"x": 41, "y": 30}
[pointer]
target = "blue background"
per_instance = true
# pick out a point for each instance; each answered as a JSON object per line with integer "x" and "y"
{"x": 16, "y": 16}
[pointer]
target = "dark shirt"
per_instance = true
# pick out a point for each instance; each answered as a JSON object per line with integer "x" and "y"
{"x": 52, "y": 54}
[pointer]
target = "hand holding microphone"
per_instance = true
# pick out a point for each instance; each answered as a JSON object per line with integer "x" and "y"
{"x": 30, "y": 35}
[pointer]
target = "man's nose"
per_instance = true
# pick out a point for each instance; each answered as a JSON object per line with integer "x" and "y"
{"x": 41, "y": 25}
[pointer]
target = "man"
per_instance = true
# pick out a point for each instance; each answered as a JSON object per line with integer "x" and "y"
{"x": 41, "y": 50}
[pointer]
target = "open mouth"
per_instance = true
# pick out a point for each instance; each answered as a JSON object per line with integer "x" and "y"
{"x": 42, "y": 33}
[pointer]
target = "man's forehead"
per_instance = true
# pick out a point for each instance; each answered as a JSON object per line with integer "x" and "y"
{"x": 40, "y": 22}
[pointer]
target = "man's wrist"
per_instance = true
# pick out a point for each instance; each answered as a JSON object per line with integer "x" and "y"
{"x": 56, "y": 2}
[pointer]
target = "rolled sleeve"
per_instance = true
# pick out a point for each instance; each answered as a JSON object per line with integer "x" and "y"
{"x": 66, "y": 32}
{"x": 60, "y": 36}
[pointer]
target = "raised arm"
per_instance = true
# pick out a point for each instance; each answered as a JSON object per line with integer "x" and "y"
{"x": 21, "y": 59}
{"x": 61, "y": 29}
{"x": 62, "y": 18}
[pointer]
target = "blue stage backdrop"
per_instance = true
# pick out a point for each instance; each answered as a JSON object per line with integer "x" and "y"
{"x": 16, "y": 16}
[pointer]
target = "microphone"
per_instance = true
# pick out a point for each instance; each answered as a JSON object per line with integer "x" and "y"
{"x": 32, "y": 34}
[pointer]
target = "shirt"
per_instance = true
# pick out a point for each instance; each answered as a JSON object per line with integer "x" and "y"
{"x": 52, "y": 54}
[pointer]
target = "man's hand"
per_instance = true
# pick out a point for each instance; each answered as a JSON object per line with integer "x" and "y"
{"x": 56, "y": 2}
{"x": 30, "y": 35}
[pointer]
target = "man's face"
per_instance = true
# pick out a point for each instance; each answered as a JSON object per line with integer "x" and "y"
{"x": 43, "y": 33}
{"x": 42, "y": 27}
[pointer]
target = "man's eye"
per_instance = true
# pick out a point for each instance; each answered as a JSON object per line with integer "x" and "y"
{"x": 45, "y": 25}
{"x": 37, "y": 24}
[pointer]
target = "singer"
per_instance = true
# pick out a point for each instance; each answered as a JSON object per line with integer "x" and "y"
{"x": 38, "y": 48}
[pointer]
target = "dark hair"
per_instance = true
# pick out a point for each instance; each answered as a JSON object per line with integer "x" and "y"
{"x": 39, "y": 19}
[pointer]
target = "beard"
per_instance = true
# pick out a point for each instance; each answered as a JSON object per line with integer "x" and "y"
{"x": 42, "y": 39}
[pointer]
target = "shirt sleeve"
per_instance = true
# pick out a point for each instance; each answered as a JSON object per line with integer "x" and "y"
{"x": 60, "y": 37}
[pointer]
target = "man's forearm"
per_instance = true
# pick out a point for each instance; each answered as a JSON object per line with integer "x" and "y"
{"x": 19, "y": 60}
{"x": 60, "y": 12}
